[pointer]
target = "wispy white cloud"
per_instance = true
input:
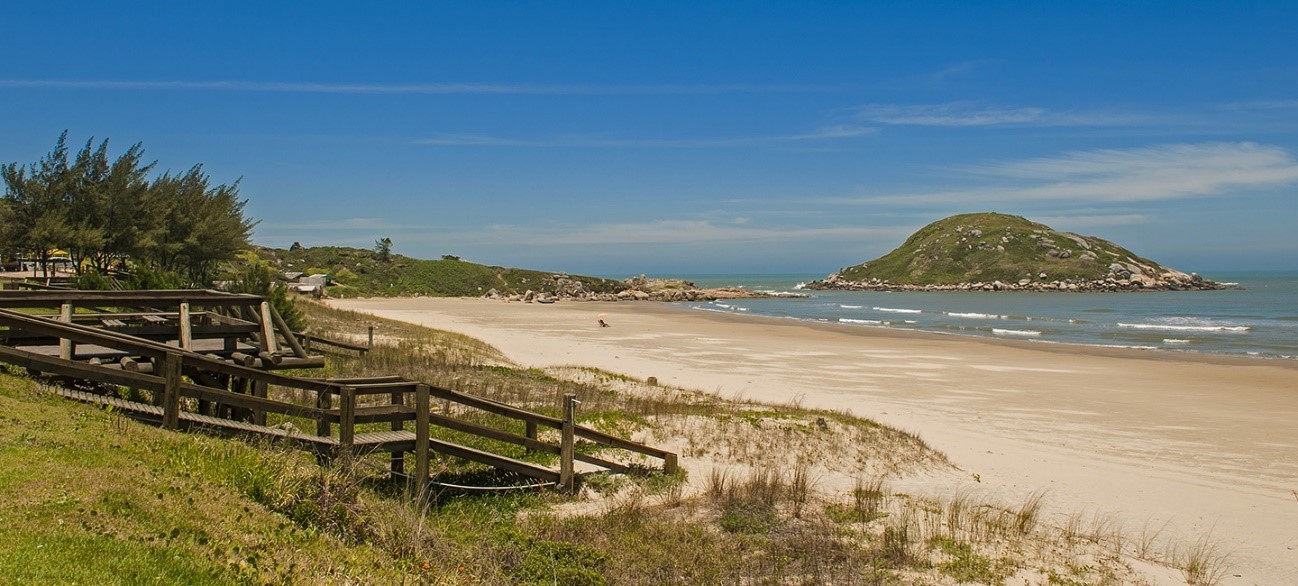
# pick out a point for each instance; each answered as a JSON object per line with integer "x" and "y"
{"x": 406, "y": 88}
{"x": 342, "y": 224}
{"x": 1157, "y": 173}
{"x": 952, "y": 114}
{"x": 968, "y": 114}
{"x": 1077, "y": 221}
{"x": 837, "y": 131}
{"x": 576, "y": 140}
{"x": 1263, "y": 105}
{"x": 449, "y": 139}
{"x": 675, "y": 232}
{"x": 961, "y": 69}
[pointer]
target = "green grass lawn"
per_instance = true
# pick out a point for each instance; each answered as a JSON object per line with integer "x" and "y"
{"x": 90, "y": 497}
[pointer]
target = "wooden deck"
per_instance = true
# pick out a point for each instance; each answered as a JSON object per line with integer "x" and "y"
{"x": 225, "y": 382}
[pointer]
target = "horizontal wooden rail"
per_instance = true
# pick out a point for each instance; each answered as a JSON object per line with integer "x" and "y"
{"x": 152, "y": 298}
{"x": 156, "y": 350}
{"x": 313, "y": 340}
{"x": 552, "y": 422}
{"x": 158, "y": 367}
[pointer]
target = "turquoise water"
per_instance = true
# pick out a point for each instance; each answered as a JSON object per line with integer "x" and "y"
{"x": 1260, "y": 320}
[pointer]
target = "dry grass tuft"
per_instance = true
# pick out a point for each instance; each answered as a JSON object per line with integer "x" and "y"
{"x": 1203, "y": 563}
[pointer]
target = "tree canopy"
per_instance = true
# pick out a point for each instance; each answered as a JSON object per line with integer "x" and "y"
{"x": 109, "y": 213}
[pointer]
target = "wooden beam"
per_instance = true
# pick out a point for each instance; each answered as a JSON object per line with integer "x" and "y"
{"x": 171, "y": 391}
{"x": 65, "y": 344}
{"x": 268, "y": 342}
{"x": 128, "y": 298}
{"x": 298, "y": 350}
{"x": 567, "y": 480}
{"x": 421, "y": 441}
{"x": 397, "y": 460}
{"x": 186, "y": 328}
{"x": 347, "y": 421}
{"x": 323, "y": 402}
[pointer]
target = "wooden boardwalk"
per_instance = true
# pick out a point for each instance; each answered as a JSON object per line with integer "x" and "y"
{"x": 219, "y": 380}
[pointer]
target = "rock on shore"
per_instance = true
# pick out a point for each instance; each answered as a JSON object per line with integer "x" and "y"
{"x": 642, "y": 288}
{"x": 1166, "y": 281}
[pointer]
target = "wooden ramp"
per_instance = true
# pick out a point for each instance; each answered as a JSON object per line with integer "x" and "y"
{"x": 229, "y": 395}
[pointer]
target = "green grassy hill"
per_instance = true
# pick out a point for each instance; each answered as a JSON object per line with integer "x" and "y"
{"x": 361, "y": 272}
{"x": 986, "y": 247}
{"x": 91, "y": 497}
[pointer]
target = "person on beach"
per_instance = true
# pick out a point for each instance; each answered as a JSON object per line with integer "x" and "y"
{"x": 602, "y": 323}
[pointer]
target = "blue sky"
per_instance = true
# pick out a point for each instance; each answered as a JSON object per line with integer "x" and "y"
{"x": 620, "y": 138}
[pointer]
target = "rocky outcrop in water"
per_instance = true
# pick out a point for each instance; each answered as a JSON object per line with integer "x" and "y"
{"x": 999, "y": 252}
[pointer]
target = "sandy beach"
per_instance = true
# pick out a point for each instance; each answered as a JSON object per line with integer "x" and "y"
{"x": 1207, "y": 445}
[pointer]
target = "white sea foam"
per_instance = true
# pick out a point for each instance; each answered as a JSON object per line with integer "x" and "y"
{"x": 872, "y": 322}
{"x": 1186, "y": 328}
{"x": 1175, "y": 341}
{"x": 896, "y": 310}
{"x": 851, "y": 306}
{"x": 800, "y": 286}
{"x": 974, "y": 315}
{"x": 1001, "y": 332}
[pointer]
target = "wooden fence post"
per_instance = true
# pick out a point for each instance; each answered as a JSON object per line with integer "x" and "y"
{"x": 324, "y": 400}
{"x": 65, "y": 345}
{"x": 259, "y": 390}
{"x": 420, "y": 479}
{"x": 669, "y": 464}
{"x": 186, "y": 329}
{"x": 347, "y": 420}
{"x": 171, "y": 368}
{"x": 531, "y": 434}
{"x": 268, "y": 341}
{"x": 567, "y": 478}
{"x": 397, "y": 462}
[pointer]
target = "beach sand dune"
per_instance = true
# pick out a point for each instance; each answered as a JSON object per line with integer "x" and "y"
{"x": 1205, "y": 444}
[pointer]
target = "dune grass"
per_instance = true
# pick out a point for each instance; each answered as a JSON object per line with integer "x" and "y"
{"x": 773, "y": 494}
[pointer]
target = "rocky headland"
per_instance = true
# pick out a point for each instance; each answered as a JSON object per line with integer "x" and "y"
{"x": 999, "y": 252}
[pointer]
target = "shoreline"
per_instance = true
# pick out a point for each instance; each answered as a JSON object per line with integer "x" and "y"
{"x": 1112, "y": 351}
{"x": 1188, "y": 439}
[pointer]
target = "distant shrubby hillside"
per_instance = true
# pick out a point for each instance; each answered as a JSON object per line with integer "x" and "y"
{"x": 357, "y": 272}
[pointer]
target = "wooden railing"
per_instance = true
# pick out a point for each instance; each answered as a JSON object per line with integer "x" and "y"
{"x": 232, "y": 398}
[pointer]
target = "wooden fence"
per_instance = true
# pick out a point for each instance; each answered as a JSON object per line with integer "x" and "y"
{"x": 227, "y": 391}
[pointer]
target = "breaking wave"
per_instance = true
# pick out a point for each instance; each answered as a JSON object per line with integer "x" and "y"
{"x": 975, "y": 315}
{"x": 1001, "y": 332}
{"x": 1187, "y": 328}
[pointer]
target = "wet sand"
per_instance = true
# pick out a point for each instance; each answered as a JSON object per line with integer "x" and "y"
{"x": 1208, "y": 445}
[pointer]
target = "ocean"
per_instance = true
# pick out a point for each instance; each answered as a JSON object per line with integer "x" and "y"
{"x": 1260, "y": 320}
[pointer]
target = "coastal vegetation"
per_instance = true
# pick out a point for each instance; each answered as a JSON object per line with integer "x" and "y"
{"x": 358, "y": 272}
{"x": 108, "y": 215}
{"x": 991, "y": 251}
{"x": 92, "y": 497}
